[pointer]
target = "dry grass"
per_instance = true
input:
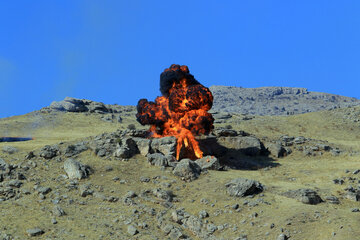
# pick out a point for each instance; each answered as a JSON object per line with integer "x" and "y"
{"x": 295, "y": 171}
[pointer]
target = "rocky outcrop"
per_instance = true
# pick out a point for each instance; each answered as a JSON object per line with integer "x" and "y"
{"x": 70, "y": 104}
{"x": 275, "y": 100}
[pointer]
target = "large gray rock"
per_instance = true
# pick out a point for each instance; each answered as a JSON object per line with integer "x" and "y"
{"x": 143, "y": 145}
{"x": 76, "y": 170}
{"x": 97, "y": 107}
{"x": 248, "y": 145}
{"x": 306, "y": 196}
{"x": 32, "y": 232}
{"x": 157, "y": 159}
{"x": 222, "y": 132}
{"x": 9, "y": 149}
{"x": 209, "y": 163}
{"x": 187, "y": 169}
{"x": 241, "y": 187}
{"x": 49, "y": 152}
{"x": 165, "y": 145}
{"x": 70, "y": 105}
{"x": 276, "y": 149}
{"x": 127, "y": 148}
{"x": 3, "y": 165}
{"x": 75, "y": 149}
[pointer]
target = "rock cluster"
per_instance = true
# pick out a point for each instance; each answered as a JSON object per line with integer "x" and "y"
{"x": 285, "y": 145}
{"x": 70, "y": 104}
{"x": 11, "y": 180}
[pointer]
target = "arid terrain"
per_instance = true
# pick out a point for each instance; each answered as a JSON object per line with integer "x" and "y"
{"x": 305, "y": 167}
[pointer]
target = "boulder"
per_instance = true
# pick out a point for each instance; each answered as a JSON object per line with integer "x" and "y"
{"x": 248, "y": 145}
{"x": 222, "y": 132}
{"x": 70, "y": 105}
{"x": 3, "y": 165}
{"x": 49, "y": 152}
{"x": 209, "y": 163}
{"x": 127, "y": 148}
{"x": 306, "y": 196}
{"x": 157, "y": 159}
{"x": 76, "y": 170}
{"x": 9, "y": 149}
{"x": 165, "y": 145}
{"x": 276, "y": 149}
{"x": 241, "y": 187}
{"x": 32, "y": 232}
{"x": 97, "y": 107}
{"x": 187, "y": 169}
{"x": 143, "y": 145}
{"x": 75, "y": 149}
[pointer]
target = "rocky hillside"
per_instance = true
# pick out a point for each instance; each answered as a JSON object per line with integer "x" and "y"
{"x": 88, "y": 175}
{"x": 275, "y": 100}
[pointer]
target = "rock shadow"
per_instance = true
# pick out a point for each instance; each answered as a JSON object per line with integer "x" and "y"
{"x": 250, "y": 158}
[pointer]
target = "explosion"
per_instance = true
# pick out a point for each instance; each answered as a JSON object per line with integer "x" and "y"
{"x": 180, "y": 112}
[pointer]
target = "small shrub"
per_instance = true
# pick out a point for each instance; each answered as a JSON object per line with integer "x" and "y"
{"x": 228, "y": 127}
{"x": 131, "y": 127}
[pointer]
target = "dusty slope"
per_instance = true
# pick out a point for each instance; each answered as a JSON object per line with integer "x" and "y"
{"x": 93, "y": 218}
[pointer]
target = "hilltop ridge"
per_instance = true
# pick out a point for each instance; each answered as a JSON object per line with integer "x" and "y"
{"x": 276, "y": 100}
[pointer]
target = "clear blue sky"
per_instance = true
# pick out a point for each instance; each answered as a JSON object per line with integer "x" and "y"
{"x": 114, "y": 51}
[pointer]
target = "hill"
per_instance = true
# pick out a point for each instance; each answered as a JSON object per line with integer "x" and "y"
{"x": 275, "y": 100}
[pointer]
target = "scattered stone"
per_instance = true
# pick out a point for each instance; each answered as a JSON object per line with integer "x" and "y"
{"x": 353, "y": 194}
{"x": 282, "y": 237}
{"x": 58, "y": 211}
{"x": 241, "y": 187}
{"x": 108, "y": 168}
{"x": 130, "y": 194}
{"x": 306, "y": 196}
{"x": 338, "y": 181}
{"x": 235, "y": 206}
{"x": 14, "y": 183}
{"x": 43, "y": 190}
{"x": 222, "y": 132}
{"x": 300, "y": 140}
{"x": 356, "y": 171}
{"x": 209, "y": 163}
{"x": 355, "y": 210}
{"x": 163, "y": 194}
{"x": 9, "y": 149}
{"x": 211, "y": 227}
{"x": 203, "y": 214}
{"x": 144, "y": 179}
{"x": 54, "y": 221}
{"x": 324, "y": 147}
{"x": 30, "y": 155}
{"x": 85, "y": 190}
{"x": 76, "y": 170}
{"x": 132, "y": 230}
{"x": 34, "y": 232}
{"x": 332, "y": 199}
{"x": 187, "y": 169}
{"x": 157, "y": 159}
{"x": 48, "y": 152}
{"x": 335, "y": 152}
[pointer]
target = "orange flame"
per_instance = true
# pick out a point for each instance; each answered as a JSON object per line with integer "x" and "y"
{"x": 182, "y": 114}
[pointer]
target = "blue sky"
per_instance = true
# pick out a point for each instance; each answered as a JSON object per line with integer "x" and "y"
{"x": 114, "y": 51}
